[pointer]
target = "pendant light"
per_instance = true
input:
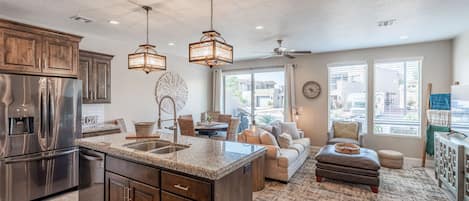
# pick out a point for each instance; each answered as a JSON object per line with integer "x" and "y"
{"x": 146, "y": 58}
{"x": 212, "y": 49}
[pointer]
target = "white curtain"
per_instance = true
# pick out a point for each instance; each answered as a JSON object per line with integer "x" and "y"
{"x": 290, "y": 102}
{"x": 217, "y": 90}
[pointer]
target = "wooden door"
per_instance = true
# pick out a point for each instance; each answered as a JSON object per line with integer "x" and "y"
{"x": 60, "y": 57}
{"x": 20, "y": 51}
{"x": 117, "y": 187}
{"x": 102, "y": 80}
{"x": 143, "y": 192}
{"x": 84, "y": 74}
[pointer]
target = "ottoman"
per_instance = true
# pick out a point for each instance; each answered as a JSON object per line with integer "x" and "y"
{"x": 391, "y": 159}
{"x": 360, "y": 168}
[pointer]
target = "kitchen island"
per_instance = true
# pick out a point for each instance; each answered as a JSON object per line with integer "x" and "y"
{"x": 200, "y": 169}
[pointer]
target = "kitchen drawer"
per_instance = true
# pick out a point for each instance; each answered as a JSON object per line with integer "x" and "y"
{"x": 136, "y": 171}
{"x": 165, "y": 196}
{"x": 186, "y": 186}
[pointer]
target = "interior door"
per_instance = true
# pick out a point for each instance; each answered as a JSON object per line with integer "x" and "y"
{"x": 64, "y": 109}
{"x": 21, "y": 128}
{"x": 20, "y": 51}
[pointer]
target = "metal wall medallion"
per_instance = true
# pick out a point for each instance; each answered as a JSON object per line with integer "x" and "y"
{"x": 173, "y": 85}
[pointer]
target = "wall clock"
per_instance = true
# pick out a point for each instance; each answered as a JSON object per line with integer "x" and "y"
{"x": 171, "y": 84}
{"x": 311, "y": 89}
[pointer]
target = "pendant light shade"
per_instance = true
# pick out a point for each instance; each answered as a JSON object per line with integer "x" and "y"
{"x": 212, "y": 49}
{"x": 146, "y": 58}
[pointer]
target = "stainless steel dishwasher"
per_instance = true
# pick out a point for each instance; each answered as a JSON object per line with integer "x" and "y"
{"x": 91, "y": 177}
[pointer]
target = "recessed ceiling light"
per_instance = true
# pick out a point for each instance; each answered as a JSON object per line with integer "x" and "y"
{"x": 171, "y": 44}
{"x": 259, "y": 27}
{"x": 404, "y": 37}
{"x": 114, "y": 22}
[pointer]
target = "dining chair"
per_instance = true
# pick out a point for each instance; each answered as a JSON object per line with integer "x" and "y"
{"x": 232, "y": 129}
{"x": 224, "y": 118}
{"x": 186, "y": 116}
{"x": 186, "y": 126}
{"x": 214, "y": 115}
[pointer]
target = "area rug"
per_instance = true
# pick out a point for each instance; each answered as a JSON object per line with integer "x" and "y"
{"x": 406, "y": 184}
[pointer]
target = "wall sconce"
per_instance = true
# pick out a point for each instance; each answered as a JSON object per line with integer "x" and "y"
{"x": 298, "y": 112}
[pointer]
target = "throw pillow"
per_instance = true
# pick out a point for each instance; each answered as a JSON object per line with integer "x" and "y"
{"x": 346, "y": 130}
{"x": 285, "y": 140}
{"x": 268, "y": 139}
{"x": 276, "y": 129}
{"x": 290, "y": 128}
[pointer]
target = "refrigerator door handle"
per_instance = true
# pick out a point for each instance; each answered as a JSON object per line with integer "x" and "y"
{"x": 42, "y": 137}
{"x": 10, "y": 161}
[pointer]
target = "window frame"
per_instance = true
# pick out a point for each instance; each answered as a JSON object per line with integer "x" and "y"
{"x": 251, "y": 72}
{"x": 420, "y": 98}
{"x": 367, "y": 83}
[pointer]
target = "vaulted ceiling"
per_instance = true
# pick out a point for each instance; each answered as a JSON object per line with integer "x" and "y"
{"x": 316, "y": 25}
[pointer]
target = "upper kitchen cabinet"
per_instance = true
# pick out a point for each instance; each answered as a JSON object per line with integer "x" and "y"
{"x": 95, "y": 71}
{"x": 26, "y": 49}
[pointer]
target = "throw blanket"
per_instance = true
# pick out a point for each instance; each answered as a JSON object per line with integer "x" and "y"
{"x": 439, "y": 117}
{"x": 440, "y": 101}
{"x": 430, "y": 148}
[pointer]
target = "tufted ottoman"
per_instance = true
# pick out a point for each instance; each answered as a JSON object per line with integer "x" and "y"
{"x": 391, "y": 159}
{"x": 360, "y": 168}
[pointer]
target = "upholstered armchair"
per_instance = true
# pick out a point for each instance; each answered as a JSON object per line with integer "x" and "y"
{"x": 346, "y": 132}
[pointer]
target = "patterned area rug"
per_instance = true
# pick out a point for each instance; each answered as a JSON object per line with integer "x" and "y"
{"x": 407, "y": 184}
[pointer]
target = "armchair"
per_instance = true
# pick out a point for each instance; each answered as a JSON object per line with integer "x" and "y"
{"x": 353, "y": 133}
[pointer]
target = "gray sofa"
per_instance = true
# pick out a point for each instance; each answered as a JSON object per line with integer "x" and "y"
{"x": 282, "y": 163}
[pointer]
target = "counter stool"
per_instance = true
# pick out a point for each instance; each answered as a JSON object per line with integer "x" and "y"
{"x": 391, "y": 159}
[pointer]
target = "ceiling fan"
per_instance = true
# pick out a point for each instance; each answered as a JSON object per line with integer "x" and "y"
{"x": 281, "y": 51}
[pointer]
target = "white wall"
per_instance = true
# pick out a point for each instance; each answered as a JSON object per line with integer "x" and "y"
{"x": 461, "y": 58}
{"x": 133, "y": 91}
{"x": 436, "y": 69}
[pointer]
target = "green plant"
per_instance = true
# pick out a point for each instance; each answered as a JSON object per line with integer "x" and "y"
{"x": 266, "y": 119}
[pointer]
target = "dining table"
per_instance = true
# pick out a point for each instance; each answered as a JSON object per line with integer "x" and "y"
{"x": 210, "y": 128}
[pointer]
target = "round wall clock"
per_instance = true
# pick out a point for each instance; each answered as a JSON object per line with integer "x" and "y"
{"x": 171, "y": 84}
{"x": 311, "y": 89}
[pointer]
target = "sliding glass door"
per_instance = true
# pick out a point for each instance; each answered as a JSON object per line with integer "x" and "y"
{"x": 255, "y": 95}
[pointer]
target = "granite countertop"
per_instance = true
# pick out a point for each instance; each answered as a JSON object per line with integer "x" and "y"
{"x": 204, "y": 158}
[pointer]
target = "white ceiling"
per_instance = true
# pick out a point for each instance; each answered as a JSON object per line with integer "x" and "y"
{"x": 316, "y": 25}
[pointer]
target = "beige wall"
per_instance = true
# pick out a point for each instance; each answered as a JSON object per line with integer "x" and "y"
{"x": 133, "y": 91}
{"x": 436, "y": 69}
{"x": 461, "y": 58}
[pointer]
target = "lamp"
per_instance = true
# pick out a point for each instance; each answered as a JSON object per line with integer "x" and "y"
{"x": 212, "y": 49}
{"x": 146, "y": 58}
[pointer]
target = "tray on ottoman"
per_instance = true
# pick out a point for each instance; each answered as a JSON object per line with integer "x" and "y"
{"x": 362, "y": 168}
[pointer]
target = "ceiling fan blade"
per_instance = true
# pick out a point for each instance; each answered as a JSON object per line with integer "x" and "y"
{"x": 300, "y": 52}
{"x": 267, "y": 57}
{"x": 289, "y": 56}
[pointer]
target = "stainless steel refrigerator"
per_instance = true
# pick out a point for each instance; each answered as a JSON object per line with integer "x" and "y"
{"x": 40, "y": 117}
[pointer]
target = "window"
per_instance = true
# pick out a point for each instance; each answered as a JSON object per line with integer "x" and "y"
{"x": 348, "y": 93}
{"x": 397, "y": 102}
{"x": 264, "y": 102}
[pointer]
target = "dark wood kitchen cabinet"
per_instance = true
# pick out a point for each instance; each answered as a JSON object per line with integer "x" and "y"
{"x": 120, "y": 188}
{"x": 26, "y": 49}
{"x": 95, "y": 71}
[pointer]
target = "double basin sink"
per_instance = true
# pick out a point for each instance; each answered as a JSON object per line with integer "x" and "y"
{"x": 156, "y": 146}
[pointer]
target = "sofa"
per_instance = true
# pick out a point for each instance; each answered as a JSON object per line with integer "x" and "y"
{"x": 281, "y": 163}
